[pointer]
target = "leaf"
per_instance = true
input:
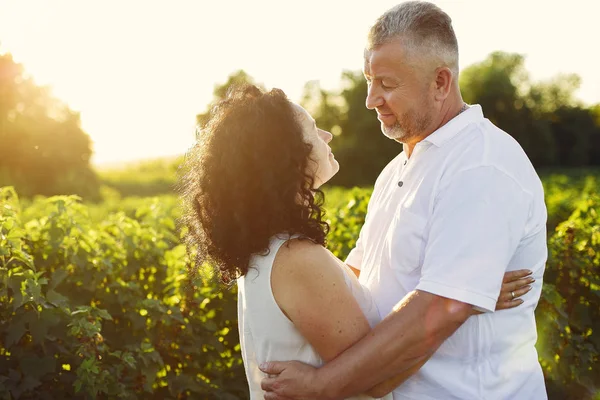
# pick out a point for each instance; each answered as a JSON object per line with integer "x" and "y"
{"x": 210, "y": 326}
{"x": 37, "y": 367}
{"x": 149, "y": 372}
{"x": 16, "y": 233}
{"x": 57, "y": 299}
{"x": 33, "y": 291}
{"x": 28, "y": 384}
{"x": 103, "y": 314}
{"x": 129, "y": 360}
{"x": 14, "y": 375}
{"x": 38, "y": 330}
{"x": 39, "y": 326}
{"x": 81, "y": 310}
{"x": 25, "y": 258}
{"x": 57, "y": 277}
{"x": 15, "y": 332}
{"x": 14, "y": 283}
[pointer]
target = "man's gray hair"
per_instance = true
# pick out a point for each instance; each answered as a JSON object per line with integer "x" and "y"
{"x": 426, "y": 32}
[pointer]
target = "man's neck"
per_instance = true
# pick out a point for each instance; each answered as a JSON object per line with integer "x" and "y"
{"x": 451, "y": 113}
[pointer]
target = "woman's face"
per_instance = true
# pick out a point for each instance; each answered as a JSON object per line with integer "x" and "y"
{"x": 322, "y": 164}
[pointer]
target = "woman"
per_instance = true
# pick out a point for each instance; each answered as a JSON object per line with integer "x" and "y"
{"x": 255, "y": 212}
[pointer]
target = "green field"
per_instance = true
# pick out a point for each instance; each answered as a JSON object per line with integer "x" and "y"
{"x": 95, "y": 300}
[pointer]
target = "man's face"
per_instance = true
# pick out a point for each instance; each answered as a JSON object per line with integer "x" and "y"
{"x": 399, "y": 92}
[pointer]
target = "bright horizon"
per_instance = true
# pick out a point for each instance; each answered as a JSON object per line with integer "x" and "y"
{"x": 140, "y": 71}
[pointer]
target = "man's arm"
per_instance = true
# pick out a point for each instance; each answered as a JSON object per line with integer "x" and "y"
{"x": 356, "y": 271}
{"x": 390, "y": 349}
{"x": 354, "y": 259}
{"x": 432, "y": 320}
{"x": 515, "y": 282}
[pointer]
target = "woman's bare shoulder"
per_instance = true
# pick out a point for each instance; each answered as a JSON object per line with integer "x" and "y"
{"x": 306, "y": 259}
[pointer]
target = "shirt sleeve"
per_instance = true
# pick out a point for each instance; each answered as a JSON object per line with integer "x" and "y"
{"x": 355, "y": 257}
{"x": 477, "y": 223}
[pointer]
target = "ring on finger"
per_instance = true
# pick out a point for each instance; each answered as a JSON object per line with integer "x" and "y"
{"x": 513, "y": 295}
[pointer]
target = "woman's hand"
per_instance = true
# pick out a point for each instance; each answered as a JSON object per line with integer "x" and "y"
{"x": 514, "y": 285}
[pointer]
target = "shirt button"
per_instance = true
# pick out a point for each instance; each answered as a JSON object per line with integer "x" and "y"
{"x": 400, "y": 183}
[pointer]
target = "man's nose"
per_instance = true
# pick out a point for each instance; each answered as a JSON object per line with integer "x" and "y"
{"x": 374, "y": 99}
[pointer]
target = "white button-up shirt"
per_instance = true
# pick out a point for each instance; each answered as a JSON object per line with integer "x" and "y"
{"x": 451, "y": 220}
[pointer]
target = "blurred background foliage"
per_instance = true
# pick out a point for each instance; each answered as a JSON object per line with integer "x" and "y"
{"x": 94, "y": 296}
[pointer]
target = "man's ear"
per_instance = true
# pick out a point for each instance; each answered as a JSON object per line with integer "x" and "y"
{"x": 444, "y": 79}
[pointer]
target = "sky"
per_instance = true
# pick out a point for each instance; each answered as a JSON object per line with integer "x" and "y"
{"x": 139, "y": 71}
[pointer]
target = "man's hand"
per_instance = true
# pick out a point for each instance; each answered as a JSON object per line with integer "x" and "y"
{"x": 292, "y": 380}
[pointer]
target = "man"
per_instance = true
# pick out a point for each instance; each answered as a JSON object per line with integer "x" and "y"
{"x": 459, "y": 207}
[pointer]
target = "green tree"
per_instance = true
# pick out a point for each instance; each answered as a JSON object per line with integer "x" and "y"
{"x": 595, "y": 139}
{"x": 237, "y": 78}
{"x": 327, "y": 108}
{"x": 499, "y": 84}
{"x": 574, "y": 127}
{"x": 576, "y": 135}
{"x": 595, "y": 111}
{"x": 545, "y": 117}
{"x": 43, "y": 149}
{"x": 548, "y": 96}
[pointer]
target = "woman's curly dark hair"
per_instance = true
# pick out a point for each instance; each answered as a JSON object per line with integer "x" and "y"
{"x": 246, "y": 180}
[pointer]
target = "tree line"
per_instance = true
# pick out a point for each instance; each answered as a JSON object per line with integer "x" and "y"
{"x": 44, "y": 150}
{"x": 554, "y": 128}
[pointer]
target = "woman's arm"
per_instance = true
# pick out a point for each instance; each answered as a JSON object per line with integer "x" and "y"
{"x": 310, "y": 288}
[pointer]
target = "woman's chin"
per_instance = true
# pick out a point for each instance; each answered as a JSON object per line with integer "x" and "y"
{"x": 335, "y": 168}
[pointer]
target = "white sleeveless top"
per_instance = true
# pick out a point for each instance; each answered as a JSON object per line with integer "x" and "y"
{"x": 266, "y": 334}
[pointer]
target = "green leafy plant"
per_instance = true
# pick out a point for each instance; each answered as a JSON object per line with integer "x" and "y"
{"x": 573, "y": 343}
{"x": 95, "y": 301}
{"x": 106, "y": 309}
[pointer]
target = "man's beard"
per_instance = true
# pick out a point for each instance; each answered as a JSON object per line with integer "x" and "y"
{"x": 409, "y": 125}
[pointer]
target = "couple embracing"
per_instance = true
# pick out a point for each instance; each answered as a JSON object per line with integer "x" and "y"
{"x": 437, "y": 299}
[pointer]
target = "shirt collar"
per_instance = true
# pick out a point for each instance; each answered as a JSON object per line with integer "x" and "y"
{"x": 455, "y": 125}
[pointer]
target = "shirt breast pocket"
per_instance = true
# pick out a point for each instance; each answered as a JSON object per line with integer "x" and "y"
{"x": 406, "y": 240}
